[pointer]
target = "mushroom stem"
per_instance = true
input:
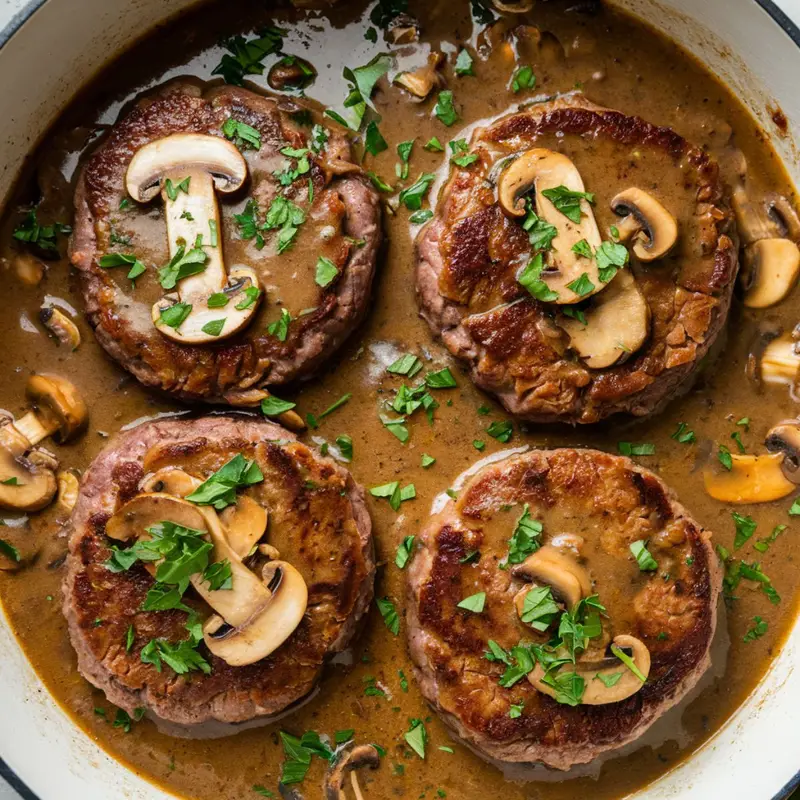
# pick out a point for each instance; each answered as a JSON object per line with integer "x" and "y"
{"x": 356, "y": 787}
{"x": 33, "y": 429}
{"x": 652, "y": 227}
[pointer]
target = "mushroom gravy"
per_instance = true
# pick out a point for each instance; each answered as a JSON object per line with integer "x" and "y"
{"x": 619, "y": 63}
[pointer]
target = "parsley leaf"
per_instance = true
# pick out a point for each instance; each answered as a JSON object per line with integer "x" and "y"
{"x": 245, "y": 57}
{"x": 643, "y": 557}
{"x": 389, "y": 613}
{"x": 413, "y": 196}
{"x": 474, "y": 603}
{"x": 219, "y": 490}
{"x": 567, "y": 201}
{"x": 326, "y": 272}
{"x": 525, "y": 539}
{"x": 280, "y": 328}
{"x": 530, "y": 279}
{"x": 464, "y": 62}
{"x": 523, "y": 78}
{"x": 745, "y": 528}
{"x": 404, "y": 551}
{"x": 445, "y": 110}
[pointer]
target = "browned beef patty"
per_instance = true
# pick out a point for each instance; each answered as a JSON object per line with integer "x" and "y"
{"x": 609, "y": 503}
{"x": 469, "y": 256}
{"x": 342, "y": 224}
{"x": 317, "y": 520}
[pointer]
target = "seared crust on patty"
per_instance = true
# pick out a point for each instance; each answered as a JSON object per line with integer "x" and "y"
{"x": 342, "y": 224}
{"x": 609, "y": 502}
{"x": 318, "y": 521}
{"x": 470, "y": 253}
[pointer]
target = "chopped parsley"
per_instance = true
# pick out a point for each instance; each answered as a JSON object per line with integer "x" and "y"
{"x": 326, "y": 272}
{"x": 724, "y": 457}
{"x": 634, "y": 449}
{"x": 760, "y": 627}
{"x": 445, "y": 110}
{"x": 460, "y": 153}
{"x": 501, "y": 430}
{"x": 214, "y": 327}
{"x": 245, "y": 57}
{"x": 567, "y": 201}
{"x": 408, "y": 365}
{"x": 539, "y": 609}
{"x": 361, "y": 82}
{"x": 280, "y": 328}
{"x": 287, "y": 217}
{"x": 247, "y": 222}
{"x": 745, "y": 528}
{"x": 525, "y": 539}
{"x": 684, "y": 434}
{"x": 413, "y": 196}
{"x": 394, "y": 494}
{"x": 643, "y": 556}
{"x": 273, "y": 406}
{"x": 474, "y": 603}
{"x": 582, "y": 286}
{"x": 417, "y": 737}
{"x": 523, "y": 78}
{"x": 111, "y": 260}
{"x": 540, "y": 232}
{"x": 404, "y": 551}
{"x": 43, "y": 236}
{"x": 583, "y": 248}
{"x": 219, "y": 490}
{"x": 374, "y": 142}
{"x": 530, "y": 278}
{"x": 9, "y": 551}
{"x": 610, "y": 258}
{"x": 762, "y": 545}
{"x": 464, "y": 62}
{"x": 434, "y": 145}
{"x": 183, "y": 264}
{"x": 175, "y": 315}
{"x": 389, "y": 613}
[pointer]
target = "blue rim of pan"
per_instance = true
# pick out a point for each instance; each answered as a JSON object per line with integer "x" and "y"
{"x": 24, "y": 14}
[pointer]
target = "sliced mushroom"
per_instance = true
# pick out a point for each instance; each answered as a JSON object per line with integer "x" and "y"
{"x": 617, "y": 324}
{"x": 421, "y": 82}
{"x": 651, "y": 228}
{"x": 133, "y": 519}
{"x": 68, "y": 487}
{"x": 171, "y": 480}
{"x": 780, "y": 361}
{"x": 207, "y": 162}
{"x": 785, "y": 438}
{"x": 264, "y": 632}
{"x": 751, "y": 479}
{"x": 27, "y": 479}
{"x": 256, "y": 618}
{"x": 596, "y": 692}
{"x": 536, "y": 171}
{"x": 548, "y": 566}
{"x": 30, "y": 270}
{"x": 771, "y": 269}
{"x": 352, "y": 759}
{"x": 28, "y": 473}
{"x": 245, "y": 524}
{"x": 61, "y": 326}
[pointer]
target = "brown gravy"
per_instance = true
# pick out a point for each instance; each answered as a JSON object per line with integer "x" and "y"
{"x": 620, "y": 63}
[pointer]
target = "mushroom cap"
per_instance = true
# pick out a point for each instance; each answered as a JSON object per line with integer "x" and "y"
{"x": 617, "y": 324}
{"x": 267, "y": 630}
{"x": 771, "y": 269}
{"x": 751, "y": 479}
{"x": 34, "y": 479}
{"x": 659, "y": 225}
{"x": 58, "y": 404}
{"x": 134, "y": 518}
{"x": 785, "y": 438}
{"x": 352, "y": 758}
{"x": 245, "y": 524}
{"x": 181, "y": 151}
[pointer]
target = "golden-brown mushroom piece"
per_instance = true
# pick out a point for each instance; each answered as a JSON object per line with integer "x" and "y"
{"x": 262, "y": 633}
{"x": 652, "y": 229}
{"x": 617, "y": 324}
{"x": 252, "y": 398}
{"x": 751, "y": 479}
{"x": 68, "y": 487}
{"x": 770, "y": 271}
{"x": 548, "y": 566}
{"x": 780, "y": 361}
{"x": 27, "y": 477}
{"x": 422, "y": 81}
{"x": 352, "y": 759}
{"x": 537, "y": 171}
{"x": 403, "y": 29}
{"x": 61, "y": 326}
{"x": 58, "y": 411}
{"x": 245, "y": 524}
{"x": 596, "y": 691}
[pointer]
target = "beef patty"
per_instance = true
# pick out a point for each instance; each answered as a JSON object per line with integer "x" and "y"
{"x": 592, "y": 507}
{"x": 317, "y": 521}
{"x": 339, "y": 219}
{"x": 522, "y": 349}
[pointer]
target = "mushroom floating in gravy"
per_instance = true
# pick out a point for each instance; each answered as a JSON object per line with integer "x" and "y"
{"x": 548, "y": 566}
{"x": 28, "y": 481}
{"x": 422, "y": 81}
{"x": 346, "y": 764}
{"x": 187, "y": 169}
